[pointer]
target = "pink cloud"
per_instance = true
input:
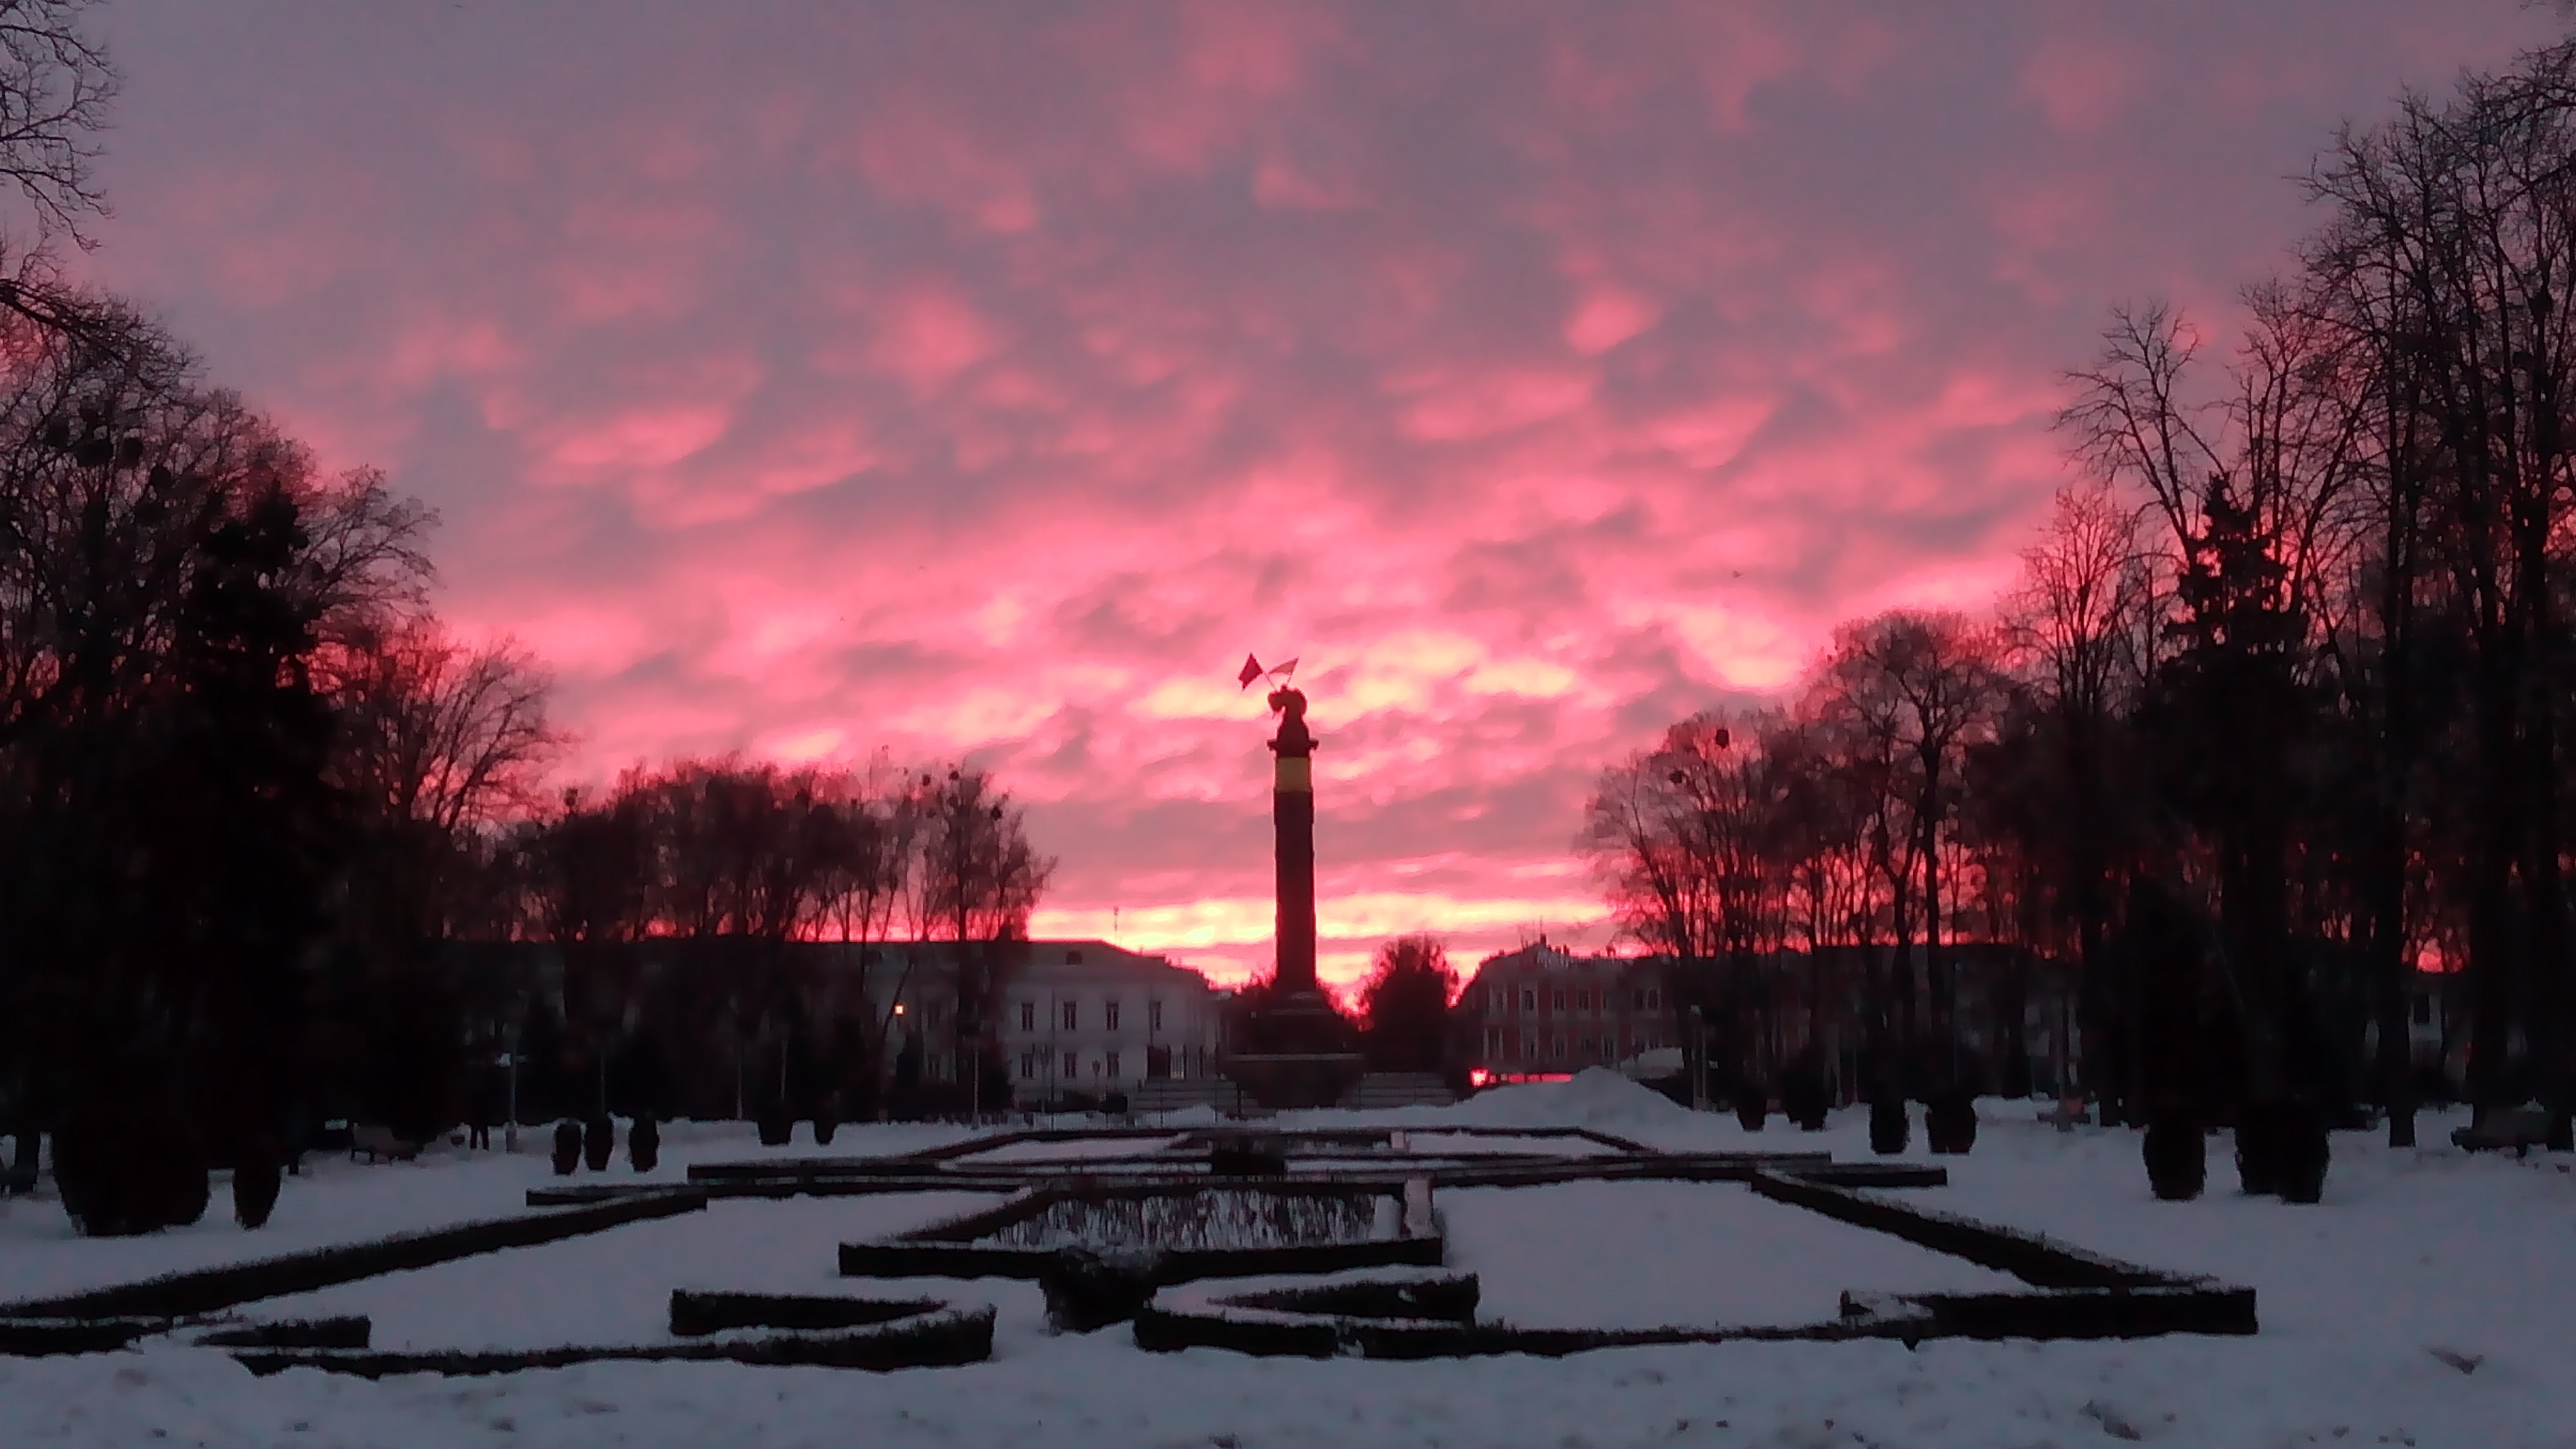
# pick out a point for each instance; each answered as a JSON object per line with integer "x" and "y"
{"x": 984, "y": 383}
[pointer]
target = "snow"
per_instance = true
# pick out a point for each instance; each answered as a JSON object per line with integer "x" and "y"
{"x": 1657, "y": 1254}
{"x": 2416, "y": 1262}
{"x": 336, "y": 1201}
{"x": 615, "y": 1286}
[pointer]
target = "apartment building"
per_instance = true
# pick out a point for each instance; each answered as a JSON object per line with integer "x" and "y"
{"x": 1092, "y": 1018}
{"x": 1542, "y": 1010}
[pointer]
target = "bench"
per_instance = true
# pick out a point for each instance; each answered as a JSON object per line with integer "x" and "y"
{"x": 2520, "y": 1128}
{"x": 380, "y": 1144}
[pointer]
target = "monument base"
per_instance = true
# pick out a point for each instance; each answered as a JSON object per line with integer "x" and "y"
{"x": 1295, "y": 1053}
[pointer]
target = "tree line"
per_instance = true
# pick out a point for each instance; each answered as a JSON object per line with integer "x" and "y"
{"x": 2270, "y": 734}
{"x": 252, "y": 787}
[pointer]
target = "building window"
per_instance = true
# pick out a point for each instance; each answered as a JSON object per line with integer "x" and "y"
{"x": 1028, "y": 1016}
{"x": 1113, "y": 1066}
{"x": 1559, "y": 1044}
{"x": 1493, "y": 1043}
{"x": 1583, "y": 1001}
{"x": 1072, "y": 1065}
{"x": 2423, "y": 1011}
{"x": 1529, "y": 1001}
{"x": 1072, "y": 1015}
{"x": 1109, "y": 1022}
{"x": 1652, "y": 998}
{"x": 1028, "y": 1066}
{"x": 1640, "y": 1004}
{"x": 931, "y": 1064}
{"x": 1556, "y": 1000}
{"x": 1073, "y": 958}
{"x": 1153, "y": 1016}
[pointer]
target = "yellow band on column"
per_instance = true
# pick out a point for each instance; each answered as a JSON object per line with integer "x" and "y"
{"x": 1296, "y": 772}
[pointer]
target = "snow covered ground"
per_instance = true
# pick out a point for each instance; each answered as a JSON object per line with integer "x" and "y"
{"x": 1659, "y": 1254}
{"x": 2429, "y": 1300}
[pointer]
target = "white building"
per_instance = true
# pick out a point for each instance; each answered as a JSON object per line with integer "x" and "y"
{"x": 1089, "y": 1017}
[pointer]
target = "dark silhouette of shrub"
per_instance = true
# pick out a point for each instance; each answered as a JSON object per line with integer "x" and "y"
{"x": 2301, "y": 1151}
{"x": 1803, "y": 1098}
{"x": 827, "y": 1120}
{"x": 1950, "y": 1122}
{"x": 598, "y": 1142}
{"x": 1087, "y": 1290}
{"x": 2177, "y": 1154}
{"x": 1889, "y": 1127}
{"x": 644, "y": 1144}
{"x": 567, "y": 1147}
{"x": 127, "y": 1169}
{"x": 1115, "y": 1104}
{"x": 777, "y": 1129}
{"x": 255, "y": 1184}
{"x": 1752, "y": 1107}
{"x": 2258, "y": 1164}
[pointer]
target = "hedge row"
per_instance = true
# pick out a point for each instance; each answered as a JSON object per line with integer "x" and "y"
{"x": 696, "y": 1314}
{"x": 33, "y": 1337}
{"x": 353, "y": 1331}
{"x": 912, "y": 1259}
{"x": 211, "y": 1290}
{"x": 2033, "y": 1259}
{"x": 939, "y": 1339}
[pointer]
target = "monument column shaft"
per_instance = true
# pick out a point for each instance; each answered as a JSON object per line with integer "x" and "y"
{"x": 1292, "y": 803}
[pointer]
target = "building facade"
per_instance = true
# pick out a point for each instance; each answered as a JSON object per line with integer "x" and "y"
{"x": 1089, "y": 1018}
{"x": 1542, "y": 1010}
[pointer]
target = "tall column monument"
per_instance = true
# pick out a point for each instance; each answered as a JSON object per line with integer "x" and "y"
{"x": 1292, "y": 811}
{"x": 1293, "y": 1049}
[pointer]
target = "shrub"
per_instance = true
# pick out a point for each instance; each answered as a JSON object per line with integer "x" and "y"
{"x": 1950, "y": 1122}
{"x": 777, "y": 1129}
{"x": 826, "y": 1122}
{"x": 1751, "y": 1108}
{"x": 1803, "y": 1098}
{"x": 125, "y": 1170}
{"x": 1087, "y": 1290}
{"x": 567, "y": 1147}
{"x": 2258, "y": 1167}
{"x": 2177, "y": 1155}
{"x": 1889, "y": 1127}
{"x": 255, "y": 1184}
{"x": 644, "y": 1144}
{"x": 1115, "y": 1104}
{"x": 2301, "y": 1151}
{"x": 598, "y": 1142}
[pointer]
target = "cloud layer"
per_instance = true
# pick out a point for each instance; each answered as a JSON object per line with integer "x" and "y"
{"x": 809, "y": 379}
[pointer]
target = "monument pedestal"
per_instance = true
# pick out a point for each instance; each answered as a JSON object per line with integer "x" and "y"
{"x": 1295, "y": 1053}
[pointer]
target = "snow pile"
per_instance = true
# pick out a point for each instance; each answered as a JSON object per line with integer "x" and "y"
{"x": 1593, "y": 1097}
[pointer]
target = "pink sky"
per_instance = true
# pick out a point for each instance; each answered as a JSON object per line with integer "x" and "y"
{"x": 988, "y": 379}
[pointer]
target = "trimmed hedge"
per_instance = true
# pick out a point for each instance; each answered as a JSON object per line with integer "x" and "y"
{"x": 350, "y": 1332}
{"x": 211, "y": 1290}
{"x": 2034, "y": 1260}
{"x": 33, "y": 1336}
{"x": 1451, "y": 1297}
{"x": 902, "y": 1259}
{"x": 945, "y": 1337}
{"x": 695, "y": 1314}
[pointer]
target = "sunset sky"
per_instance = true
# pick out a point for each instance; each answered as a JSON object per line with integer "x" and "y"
{"x": 987, "y": 379}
